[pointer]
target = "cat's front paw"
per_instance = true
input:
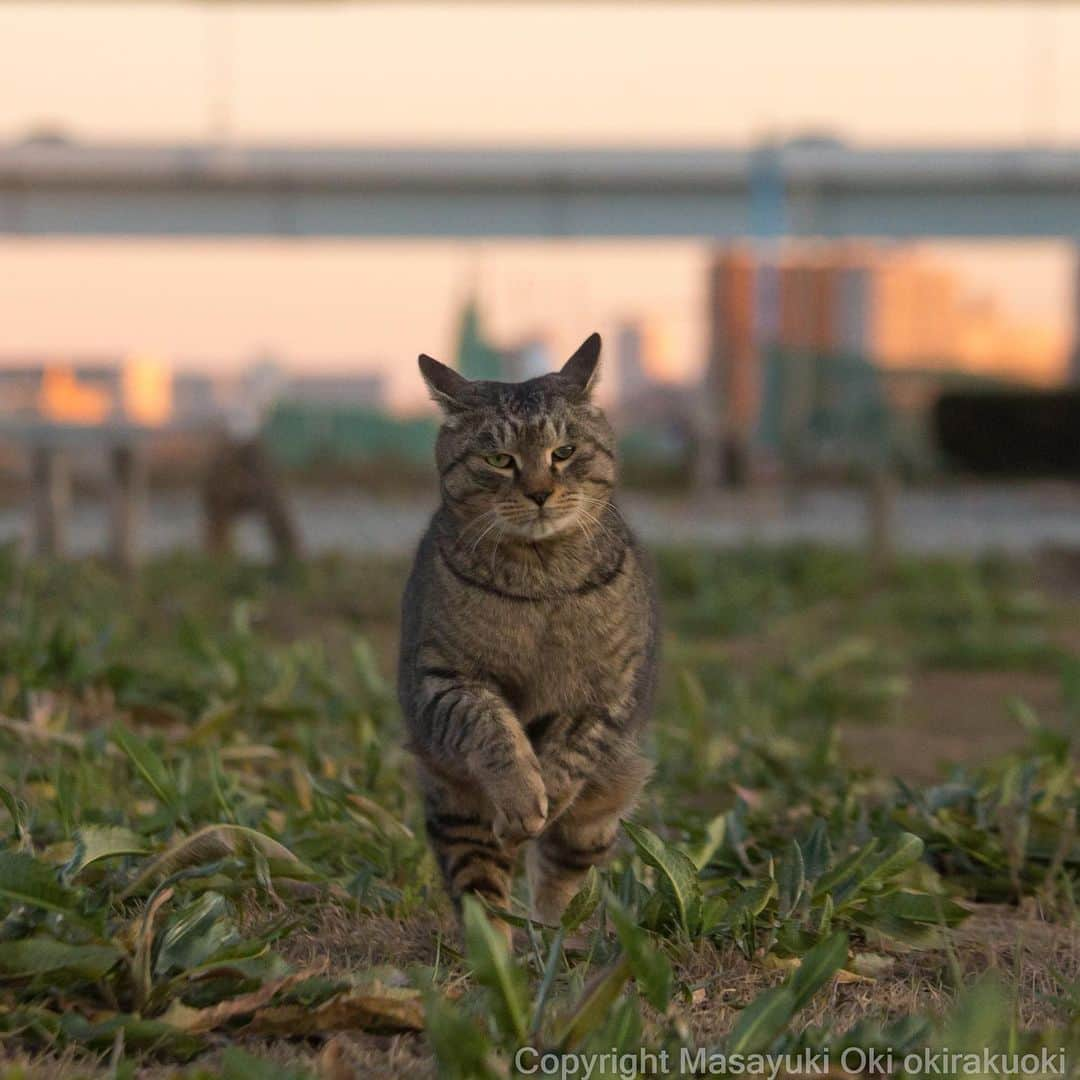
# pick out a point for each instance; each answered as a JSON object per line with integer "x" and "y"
{"x": 521, "y": 809}
{"x": 562, "y": 786}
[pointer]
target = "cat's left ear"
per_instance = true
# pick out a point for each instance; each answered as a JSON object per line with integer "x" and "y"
{"x": 581, "y": 369}
{"x": 446, "y": 385}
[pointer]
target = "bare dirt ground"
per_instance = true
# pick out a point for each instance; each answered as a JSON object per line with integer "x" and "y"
{"x": 954, "y": 717}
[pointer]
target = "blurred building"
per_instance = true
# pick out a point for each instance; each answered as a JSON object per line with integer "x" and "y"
{"x": 362, "y": 390}
{"x": 331, "y": 420}
{"x": 197, "y": 396}
{"x": 242, "y": 398}
{"x": 853, "y": 304}
{"x": 735, "y": 322}
{"x": 529, "y": 359}
{"x": 632, "y": 379}
{"x": 819, "y": 347}
{"x": 901, "y": 309}
{"x": 1074, "y": 366}
{"x": 130, "y": 390}
{"x": 648, "y": 387}
{"x": 477, "y": 357}
{"x": 653, "y": 405}
{"x": 732, "y": 342}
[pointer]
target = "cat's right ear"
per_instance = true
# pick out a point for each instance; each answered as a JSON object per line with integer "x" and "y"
{"x": 446, "y": 385}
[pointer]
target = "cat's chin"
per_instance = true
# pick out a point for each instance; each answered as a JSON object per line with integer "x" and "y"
{"x": 542, "y": 528}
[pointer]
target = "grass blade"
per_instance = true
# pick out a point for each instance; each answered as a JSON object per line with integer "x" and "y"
{"x": 497, "y": 970}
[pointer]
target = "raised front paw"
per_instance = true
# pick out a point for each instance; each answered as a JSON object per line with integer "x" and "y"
{"x": 521, "y": 808}
{"x": 561, "y": 799}
{"x": 562, "y": 784}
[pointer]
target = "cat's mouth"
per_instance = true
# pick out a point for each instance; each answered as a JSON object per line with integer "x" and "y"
{"x": 541, "y": 524}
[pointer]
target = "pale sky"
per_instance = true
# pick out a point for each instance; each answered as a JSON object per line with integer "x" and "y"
{"x": 494, "y": 71}
{"x": 491, "y": 73}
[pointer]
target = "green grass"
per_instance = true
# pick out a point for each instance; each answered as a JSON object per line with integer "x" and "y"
{"x": 211, "y": 860}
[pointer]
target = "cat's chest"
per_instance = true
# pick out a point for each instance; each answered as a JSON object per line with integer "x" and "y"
{"x": 520, "y": 636}
{"x": 548, "y": 657}
{"x": 549, "y": 653}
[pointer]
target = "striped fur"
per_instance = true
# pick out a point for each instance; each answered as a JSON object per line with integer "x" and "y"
{"x": 528, "y": 652}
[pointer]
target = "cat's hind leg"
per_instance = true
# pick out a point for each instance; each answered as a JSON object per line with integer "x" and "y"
{"x": 582, "y": 836}
{"x": 460, "y": 827}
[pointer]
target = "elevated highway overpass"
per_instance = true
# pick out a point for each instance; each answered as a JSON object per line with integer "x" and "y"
{"x": 810, "y": 188}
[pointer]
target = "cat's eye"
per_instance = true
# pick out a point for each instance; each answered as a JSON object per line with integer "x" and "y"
{"x": 499, "y": 461}
{"x": 561, "y": 453}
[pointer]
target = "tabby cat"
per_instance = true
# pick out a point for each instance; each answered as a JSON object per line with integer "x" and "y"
{"x": 529, "y": 640}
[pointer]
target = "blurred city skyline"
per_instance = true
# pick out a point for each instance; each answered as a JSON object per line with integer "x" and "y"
{"x": 598, "y": 73}
{"x": 339, "y": 307}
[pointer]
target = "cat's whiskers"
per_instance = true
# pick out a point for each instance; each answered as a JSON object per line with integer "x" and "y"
{"x": 601, "y": 506}
{"x": 475, "y": 523}
{"x": 604, "y": 504}
{"x": 593, "y": 518}
{"x": 495, "y": 550}
{"x": 476, "y": 542}
{"x": 589, "y": 517}
{"x": 586, "y": 530}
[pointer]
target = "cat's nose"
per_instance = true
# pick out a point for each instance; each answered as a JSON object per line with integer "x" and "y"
{"x": 539, "y": 497}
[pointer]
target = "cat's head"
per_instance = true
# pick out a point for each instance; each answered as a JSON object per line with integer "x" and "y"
{"x": 535, "y": 459}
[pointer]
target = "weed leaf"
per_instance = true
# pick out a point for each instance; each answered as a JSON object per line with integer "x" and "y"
{"x": 208, "y": 845}
{"x": 148, "y": 765}
{"x": 650, "y": 967}
{"x": 818, "y": 966}
{"x": 584, "y": 903}
{"x": 96, "y": 842}
{"x": 678, "y": 871}
{"x": 594, "y": 1006}
{"x": 790, "y": 880}
{"x": 42, "y": 956}
{"x": 761, "y": 1021}
{"x": 24, "y": 880}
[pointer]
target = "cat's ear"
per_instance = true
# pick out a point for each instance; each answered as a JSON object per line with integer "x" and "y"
{"x": 582, "y": 367}
{"x": 446, "y": 385}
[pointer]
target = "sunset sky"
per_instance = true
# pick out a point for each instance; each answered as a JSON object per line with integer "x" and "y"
{"x": 489, "y": 73}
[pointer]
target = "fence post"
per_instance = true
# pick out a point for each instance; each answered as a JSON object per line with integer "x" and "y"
{"x": 126, "y": 491}
{"x": 881, "y": 520}
{"x": 50, "y": 495}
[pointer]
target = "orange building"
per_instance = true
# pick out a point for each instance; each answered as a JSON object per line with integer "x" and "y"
{"x": 733, "y": 350}
{"x": 137, "y": 390}
{"x": 902, "y": 310}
